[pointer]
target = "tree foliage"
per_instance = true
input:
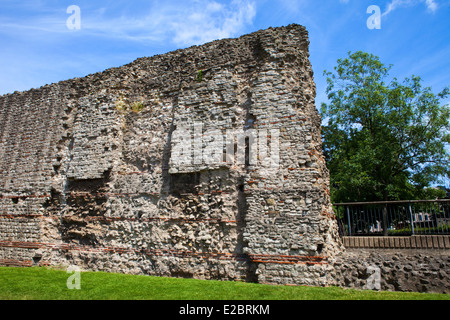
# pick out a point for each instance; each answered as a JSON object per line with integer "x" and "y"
{"x": 382, "y": 141}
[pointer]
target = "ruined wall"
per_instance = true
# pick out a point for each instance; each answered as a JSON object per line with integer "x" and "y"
{"x": 120, "y": 170}
{"x": 408, "y": 270}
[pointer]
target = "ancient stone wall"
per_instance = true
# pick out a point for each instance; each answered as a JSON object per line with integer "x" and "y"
{"x": 204, "y": 162}
{"x": 407, "y": 270}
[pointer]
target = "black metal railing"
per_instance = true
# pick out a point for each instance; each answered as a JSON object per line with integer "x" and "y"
{"x": 394, "y": 218}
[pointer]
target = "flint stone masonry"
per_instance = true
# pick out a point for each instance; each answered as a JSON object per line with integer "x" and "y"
{"x": 90, "y": 175}
{"x": 407, "y": 270}
{"x": 122, "y": 171}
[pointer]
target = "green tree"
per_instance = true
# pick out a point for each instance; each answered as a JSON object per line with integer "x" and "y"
{"x": 382, "y": 141}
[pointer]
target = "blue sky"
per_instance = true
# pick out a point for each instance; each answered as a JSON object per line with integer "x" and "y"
{"x": 38, "y": 48}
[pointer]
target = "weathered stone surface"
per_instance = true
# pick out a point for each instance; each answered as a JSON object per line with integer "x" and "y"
{"x": 91, "y": 173}
{"x": 396, "y": 270}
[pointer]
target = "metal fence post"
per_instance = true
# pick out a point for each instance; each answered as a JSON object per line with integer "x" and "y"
{"x": 384, "y": 214}
{"x": 385, "y": 226}
{"x": 349, "y": 222}
{"x": 411, "y": 218}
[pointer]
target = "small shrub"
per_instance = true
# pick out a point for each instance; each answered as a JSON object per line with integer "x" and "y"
{"x": 137, "y": 106}
{"x": 124, "y": 107}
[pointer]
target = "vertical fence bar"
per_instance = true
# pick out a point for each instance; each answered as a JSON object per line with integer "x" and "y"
{"x": 349, "y": 222}
{"x": 363, "y": 219}
{"x": 385, "y": 233}
{"x": 433, "y": 219}
{"x": 367, "y": 218}
{"x": 445, "y": 217}
{"x": 441, "y": 218}
{"x": 371, "y": 223}
{"x": 394, "y": 217}
{"x": 388, "y": 219}
{"x": 411, "y": 217}
{"x": 437, "y": 219}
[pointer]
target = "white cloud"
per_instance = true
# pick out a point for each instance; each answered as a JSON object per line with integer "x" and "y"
{"x": 394, "y": 4}
{"x": 182, "y": 22}
{"x": 39, "y": 34}
{"x": 209, "y": 20}
{"x": 432, "y": 6}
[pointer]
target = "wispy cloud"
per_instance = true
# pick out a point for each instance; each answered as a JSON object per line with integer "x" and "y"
{"x": 39, "y": 48}
{"x": 180, "y": 22}
{"x": 209, "y": 20}
{"x": 431, "y": 5}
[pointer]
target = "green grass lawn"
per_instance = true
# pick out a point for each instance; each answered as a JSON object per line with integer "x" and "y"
{"x": 39, "y": 283}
